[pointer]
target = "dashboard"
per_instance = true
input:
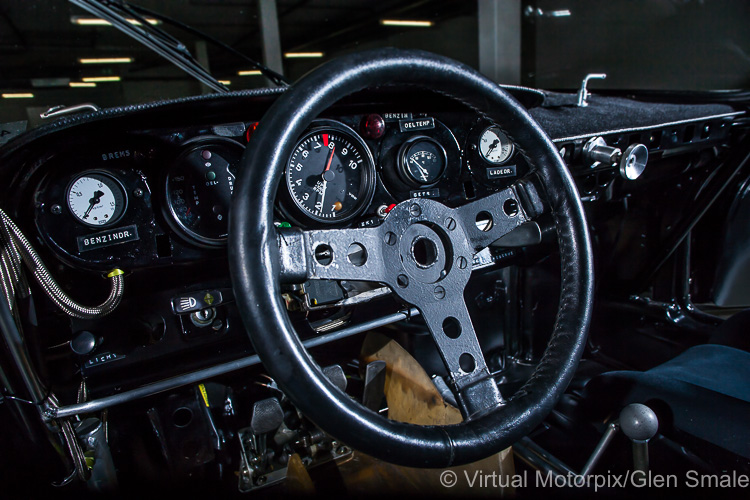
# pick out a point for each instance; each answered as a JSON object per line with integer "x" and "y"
{"x": 164, "y": 197}
{"x": 149, "y": 191}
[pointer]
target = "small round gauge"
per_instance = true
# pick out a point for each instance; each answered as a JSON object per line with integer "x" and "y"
{"x": 96, "y": 199}
{"x": 421, "y": 161}
{"x": 331, "y": 174}
{"x": 494, "y": 146}
{"x": 200, "y": 186}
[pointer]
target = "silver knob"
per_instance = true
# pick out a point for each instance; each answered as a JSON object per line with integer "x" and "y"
{"x": 596, "y": 151}
{"x": 633, "y": 161}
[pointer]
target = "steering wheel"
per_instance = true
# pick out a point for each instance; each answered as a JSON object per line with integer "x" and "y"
{"x": 423, "y": 251}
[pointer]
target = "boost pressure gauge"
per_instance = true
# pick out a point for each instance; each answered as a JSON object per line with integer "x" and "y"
{"x": 96, "y": 199}
{"x": 494, "y": 146}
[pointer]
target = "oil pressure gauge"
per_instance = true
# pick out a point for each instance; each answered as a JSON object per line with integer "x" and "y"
{"x": 494, "y": 146}
{"x": 96, "y": 199}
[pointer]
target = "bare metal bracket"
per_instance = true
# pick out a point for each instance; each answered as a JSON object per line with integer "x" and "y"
{"x": 583, "y": 93}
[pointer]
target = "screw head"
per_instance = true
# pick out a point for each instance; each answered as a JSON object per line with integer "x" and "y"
{"x": 390, "y": 238}
{"x": 462, "y": 262}
{"x": 439, "y": 292}
{"x": 415, "y": 210}
{"x": 402, "y": 280}
{"x": 56, "y": 209}
{"x": 138, "y": 192}
{"x": 450, "y": 223}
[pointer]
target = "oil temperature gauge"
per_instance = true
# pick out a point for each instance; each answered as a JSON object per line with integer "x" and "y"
{"x": 421, "y": 161}
{"x": 96, "y": 199}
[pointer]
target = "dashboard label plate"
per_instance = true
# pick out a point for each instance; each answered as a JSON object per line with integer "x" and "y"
{"x": 418, "y": 124}
{"x": 107, "y": 238}
{"x": 501, "y": 172}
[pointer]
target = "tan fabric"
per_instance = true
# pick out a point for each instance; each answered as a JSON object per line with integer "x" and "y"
{"x": 413, "y": 398}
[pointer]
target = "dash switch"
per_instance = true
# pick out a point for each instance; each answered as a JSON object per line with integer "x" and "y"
{"x": 195, "y": 301}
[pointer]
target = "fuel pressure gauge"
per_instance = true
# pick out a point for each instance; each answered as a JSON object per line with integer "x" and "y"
{"x": 96, "y": 199}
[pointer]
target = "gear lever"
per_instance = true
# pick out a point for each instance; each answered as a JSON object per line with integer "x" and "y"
{"x": 639, "y": 423}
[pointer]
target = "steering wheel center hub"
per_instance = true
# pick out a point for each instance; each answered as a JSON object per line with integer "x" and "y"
{"x": 423, "y": 253}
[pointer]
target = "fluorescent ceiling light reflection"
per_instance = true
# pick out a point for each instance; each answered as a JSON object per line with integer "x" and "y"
{"x": 89, "y": 79}
{"x": 250, "y": 72}
{"x": 95, "y": 21}
{"x": 18, "y": 95}
{"x": 105, "y": 60}
{"x": 300, "y": 55}
{"x": 82, "y": 84}
{"x": 406, "y": 22}
{"x": 225, "y": 82}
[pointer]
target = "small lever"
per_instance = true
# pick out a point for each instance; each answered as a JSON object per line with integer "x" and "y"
{"x": 584, "y": 93}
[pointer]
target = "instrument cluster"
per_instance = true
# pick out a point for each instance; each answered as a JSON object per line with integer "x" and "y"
{"x": 165, "y": 198}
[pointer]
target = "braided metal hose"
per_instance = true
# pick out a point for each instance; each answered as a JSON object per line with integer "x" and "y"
{"x": 17, "y": 245}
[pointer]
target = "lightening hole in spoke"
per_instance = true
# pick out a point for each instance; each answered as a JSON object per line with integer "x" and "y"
{"x": 357, "y": 254}
{"x": 182, "y": 417}
{"x": 324, "y": 254}
{"x": 425, "y": 252}
{"x": 451, "y": 327}
{"x": 466, "y": 362}
{"x": 484, "y": 221}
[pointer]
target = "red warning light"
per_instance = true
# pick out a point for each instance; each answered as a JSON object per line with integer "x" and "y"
{"x": 372, "y": 126}
{"x": 250, "y": 131}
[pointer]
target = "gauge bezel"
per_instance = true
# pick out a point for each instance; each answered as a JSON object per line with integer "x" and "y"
{"x": 186, "y": 148}
{"x": 481, "y": 153}
{"x": 289, "y": 204}
{"x": 403, "y": 169}
{"x": 88, "y": 173}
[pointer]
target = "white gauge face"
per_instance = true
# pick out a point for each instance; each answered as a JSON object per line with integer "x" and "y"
{"x": 494, "y": 146}
{"x": 96, "y": 199}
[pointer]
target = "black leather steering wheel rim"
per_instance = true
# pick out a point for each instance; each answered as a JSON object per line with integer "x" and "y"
{"x": 254, "y": 263}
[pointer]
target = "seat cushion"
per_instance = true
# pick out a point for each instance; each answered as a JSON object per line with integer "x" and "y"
{"x": 706, "y": 388}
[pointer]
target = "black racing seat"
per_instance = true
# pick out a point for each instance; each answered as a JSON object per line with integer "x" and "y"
{"x": 704, "y": 392}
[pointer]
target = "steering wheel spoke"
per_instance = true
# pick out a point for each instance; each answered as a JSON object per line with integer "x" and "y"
{"x": 492, "y": 217}
{"x": 456, "y": 340}
{"x": 332, "y": 254}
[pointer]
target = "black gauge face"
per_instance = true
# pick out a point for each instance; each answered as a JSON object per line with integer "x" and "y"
{"x": 422, "y": 161}
{"x": 494, "y": 146}
{"x": 199, "y": 189}
{"x": 96, "y": 199}
{"x": 330, "y": 175}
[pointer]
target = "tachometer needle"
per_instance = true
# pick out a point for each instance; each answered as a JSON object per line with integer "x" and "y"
{"x": 330, "y": 158}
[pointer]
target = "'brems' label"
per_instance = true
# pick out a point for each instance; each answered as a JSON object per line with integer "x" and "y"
{"x": 107, "y": 238}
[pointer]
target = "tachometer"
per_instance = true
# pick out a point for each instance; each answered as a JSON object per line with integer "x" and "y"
{"x": 96, "y": 199}
{"x": 200, "y": 186}
{"x": 330, "y": 175}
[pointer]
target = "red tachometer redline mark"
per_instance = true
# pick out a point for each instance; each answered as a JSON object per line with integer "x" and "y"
{"x": 325, "y": 140}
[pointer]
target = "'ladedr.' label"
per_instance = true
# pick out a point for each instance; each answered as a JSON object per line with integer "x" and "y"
{"x": 107, "y": 238}
{"x": 500, "y": 172}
